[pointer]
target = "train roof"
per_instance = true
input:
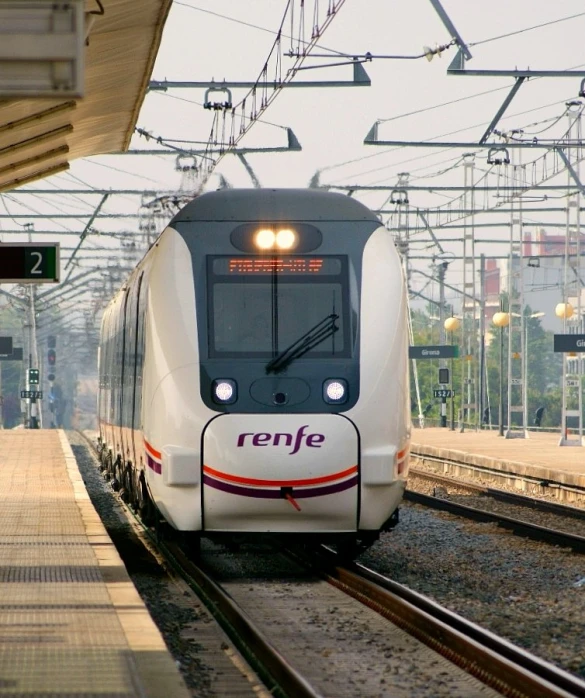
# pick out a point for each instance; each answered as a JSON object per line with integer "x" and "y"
{"x": 274, "y": 205}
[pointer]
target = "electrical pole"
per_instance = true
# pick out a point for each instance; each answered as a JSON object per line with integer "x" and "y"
{"x": 468, "y": 377}
{"x": 482, "y": 391}
{"x": 516, "y": 349}
{"x": 441, "y": 269}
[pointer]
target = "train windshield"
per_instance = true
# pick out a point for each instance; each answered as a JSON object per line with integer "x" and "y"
{"x": 259, "y": 306}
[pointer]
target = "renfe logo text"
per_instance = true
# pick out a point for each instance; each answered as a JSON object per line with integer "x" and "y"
{"x": 265, "y": 439}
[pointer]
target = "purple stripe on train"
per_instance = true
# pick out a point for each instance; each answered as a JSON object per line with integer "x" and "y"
{"x": 153, "y": 464}
{"x": 297, "y": 492}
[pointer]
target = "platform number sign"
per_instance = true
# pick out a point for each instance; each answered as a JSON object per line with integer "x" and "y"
{"x": 36, "y": 262}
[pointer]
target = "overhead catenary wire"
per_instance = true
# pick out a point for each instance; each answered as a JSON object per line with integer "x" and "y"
{"x": 248, "y": 24}
{"x": 527, "y": 29}
{"x": 434, "y": 138}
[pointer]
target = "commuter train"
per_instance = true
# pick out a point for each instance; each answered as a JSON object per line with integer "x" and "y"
{"x": 253, "y": 371}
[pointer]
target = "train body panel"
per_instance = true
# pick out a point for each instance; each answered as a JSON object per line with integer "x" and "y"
{"x": 253, "y": 390}
{"x": 277, "y": 473}
{"x": 381, "y": 414}
{"x": 173, "y": 414}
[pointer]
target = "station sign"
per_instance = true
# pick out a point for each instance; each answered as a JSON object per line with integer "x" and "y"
{"x": 5, "y": 347}
{"x": 440, "y": 351}
{"x": 31, "y": 394}
{"x": 26, "y": 262}
{"x": 442, "y": 392}
{"x": 569, "y": 342}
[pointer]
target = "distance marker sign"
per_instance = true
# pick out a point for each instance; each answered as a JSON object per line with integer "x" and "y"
{"x": 36, "y": 261}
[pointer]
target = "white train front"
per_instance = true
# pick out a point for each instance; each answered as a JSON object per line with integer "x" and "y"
{"x": 254, "y": 373}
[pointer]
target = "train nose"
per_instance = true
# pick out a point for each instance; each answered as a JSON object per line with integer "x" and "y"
{"x": 280, "y": 473}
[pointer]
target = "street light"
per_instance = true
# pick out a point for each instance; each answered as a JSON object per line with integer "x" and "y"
{"x": 527, "y": 318}
{"x": 501, "y": 320}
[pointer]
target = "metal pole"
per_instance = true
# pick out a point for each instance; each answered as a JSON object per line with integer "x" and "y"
{"x": 33, "y": 422}
{"x": 482, "y": 339}
{"x": 452, "y": 390}
{"x": 501, "y": 408}
{"x": 442, "y": 268}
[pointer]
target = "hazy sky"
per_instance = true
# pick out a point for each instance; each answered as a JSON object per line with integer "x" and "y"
{"x": 331, "y": 123}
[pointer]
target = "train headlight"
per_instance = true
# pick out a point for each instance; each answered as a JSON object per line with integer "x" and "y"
{"x": 285, "y": 239}
{"x": 265, "y": 239}
{"x": 335, "y": 391}
{"x": 225, "y": 391}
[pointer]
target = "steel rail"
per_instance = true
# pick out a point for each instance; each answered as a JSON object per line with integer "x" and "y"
{"x": 493, "y": 660}
{"x": 526, "y": 529}
{"x": 264, "y": 658}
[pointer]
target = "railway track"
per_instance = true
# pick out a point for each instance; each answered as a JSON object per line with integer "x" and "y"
{"x": 497, "y": 663}
{"x": 517, "y": 525}
{"x": 502, "y": 666}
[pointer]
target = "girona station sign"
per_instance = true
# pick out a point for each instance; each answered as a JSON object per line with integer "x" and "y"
{"x": 569, "y": 342}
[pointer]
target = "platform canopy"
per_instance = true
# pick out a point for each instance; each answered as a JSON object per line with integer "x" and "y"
{"x": 39, "y": 137}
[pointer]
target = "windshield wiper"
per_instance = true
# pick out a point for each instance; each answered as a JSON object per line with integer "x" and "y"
{"x": 322, "y": 331}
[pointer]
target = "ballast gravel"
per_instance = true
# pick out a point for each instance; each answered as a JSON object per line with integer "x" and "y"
{"x": 531, "y": 593}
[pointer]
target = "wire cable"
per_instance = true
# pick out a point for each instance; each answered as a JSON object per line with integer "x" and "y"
{"x": 526, "y": 29}
{"x": 253, "y": 26}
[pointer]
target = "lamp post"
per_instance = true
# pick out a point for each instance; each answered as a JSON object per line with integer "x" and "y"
{"x": 451, "y": 324}
{"x": 565, "y": 311}
{"x": 501, "y": 320}
{"x": 527, "y": 318}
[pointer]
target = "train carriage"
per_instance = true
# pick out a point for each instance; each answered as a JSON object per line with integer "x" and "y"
{"x": 254, "y": 372}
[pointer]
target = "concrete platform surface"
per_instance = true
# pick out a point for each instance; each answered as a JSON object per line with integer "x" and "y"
{"x": 539, "y": 455}
{"x": 71, "y": 621}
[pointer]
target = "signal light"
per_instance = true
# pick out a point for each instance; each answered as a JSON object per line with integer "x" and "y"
{"x": 33, "y": 376}
{"x": 51, "y": 341}
{"x": 51, "y": 377}
{"x": 51, "y": 357}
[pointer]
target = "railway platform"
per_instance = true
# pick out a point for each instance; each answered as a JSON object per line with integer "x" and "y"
{"x": 538, "y": 457}
{"x": 71, "y": 620}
